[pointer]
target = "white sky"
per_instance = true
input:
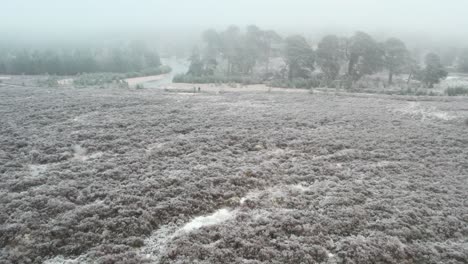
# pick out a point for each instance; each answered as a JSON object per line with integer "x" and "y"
{"x": 437, "y": 17}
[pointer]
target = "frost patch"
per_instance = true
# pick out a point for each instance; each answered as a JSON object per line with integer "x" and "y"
{"x": 339, "y": 154}
{"x": 37, "y": 170}
{"x": 80, "y": 154}
{"x": 155, "y": 146}
{"x": 301, "y": 188}
{"x": 415, "y": 109}
{"x": 217, "y": 217}
{"x": 61, "y": 260}
{"x": 155, "y": 245}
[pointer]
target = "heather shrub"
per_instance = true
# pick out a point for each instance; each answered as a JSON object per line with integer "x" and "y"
{"x": 455, "y": 91}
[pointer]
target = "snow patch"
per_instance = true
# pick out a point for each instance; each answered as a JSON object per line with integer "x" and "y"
{"x": 62, "y": 260}
{"x": 300, "y": 187}
{"x": 81, "y": 154}
{"x": 63, "y": 82}
{"x": 37, "y": 170}
{"x": 156, "y": 244}
{"x": 415, "y": 109}
{"x": 217, "y": 217}
{"x": 153, "y": 147}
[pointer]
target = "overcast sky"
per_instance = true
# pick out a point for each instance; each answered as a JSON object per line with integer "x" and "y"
{"x": 440, "y": 18}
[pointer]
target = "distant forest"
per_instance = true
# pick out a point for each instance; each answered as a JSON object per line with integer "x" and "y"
{"x": 134, "y": 57}
{"x": 251, "y": 56}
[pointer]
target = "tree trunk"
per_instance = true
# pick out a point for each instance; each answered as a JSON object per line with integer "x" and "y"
{"x": 229, "y": 67}
{"x": 268, "y": 60}
{"x": 409, "y": 77}
{"x": 350, "y": 67}
{"x": 290, "y": 73}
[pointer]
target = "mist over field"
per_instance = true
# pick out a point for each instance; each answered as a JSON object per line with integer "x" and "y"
{"x": 70, "y": 21}
{"x": 244, "y": 132}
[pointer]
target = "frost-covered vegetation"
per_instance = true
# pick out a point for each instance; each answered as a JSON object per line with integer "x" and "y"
{"x": 91, "y": 79}
{"x": 144, "y": 176}
{"x": 459, "y": 90}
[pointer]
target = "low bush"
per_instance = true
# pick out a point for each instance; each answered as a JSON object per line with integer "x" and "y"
{"x": 51, "y": 81}
{"x": 89, "y": 79}
{"x": 458, "y": 90}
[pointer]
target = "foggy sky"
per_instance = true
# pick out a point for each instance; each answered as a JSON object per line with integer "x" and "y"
{"x": 56, "y": 18}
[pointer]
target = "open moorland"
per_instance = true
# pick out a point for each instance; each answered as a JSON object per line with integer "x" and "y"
{"x": 154, "y": 176}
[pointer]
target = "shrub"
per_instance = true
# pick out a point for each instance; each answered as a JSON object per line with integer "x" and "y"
{"x": 140, "y": 86}
{"x": 131, "y": 75}
{"x": 99, "y": 79}
{"x": 51, "y": 81}
{"x": 458, "y": 90}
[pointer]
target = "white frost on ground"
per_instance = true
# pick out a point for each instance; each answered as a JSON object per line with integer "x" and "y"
{"x": 217, "y": 217}
{"x": 156, "y": 244}
{"x": 415, "y": 109}
{"x": 155, "y": 146}
{"x": 37, "y": 170}
{"x": 81, "y": 154}
{"x": 61, "y": 260}
{"x": 338, "y": 154}
{"x": 68, "y": 81}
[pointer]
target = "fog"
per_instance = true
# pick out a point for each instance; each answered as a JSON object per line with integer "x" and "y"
{"x": 81, "y": 21}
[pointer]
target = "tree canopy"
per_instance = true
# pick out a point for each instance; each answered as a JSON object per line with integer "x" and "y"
{"x": 134, "y": 57}
{"x": 329, "y": 56}
{"x": 433, "y": 72}
{"x": 299, "y": 57}
{"x": 365, "y": 56}
{"x": 396, "y": 57}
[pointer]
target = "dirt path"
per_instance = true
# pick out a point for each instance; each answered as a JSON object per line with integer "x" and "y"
{"x": 144, "y": 79}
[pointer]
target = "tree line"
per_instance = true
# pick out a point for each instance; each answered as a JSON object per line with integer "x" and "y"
{"x": 233, "y": 52}
{"x": 134, "y": 57}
